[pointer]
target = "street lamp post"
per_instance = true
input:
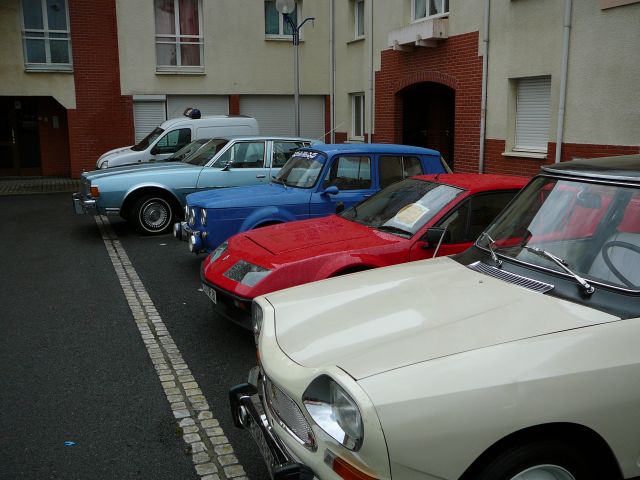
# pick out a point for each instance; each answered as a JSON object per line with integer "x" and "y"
{"x": 286, "y": 7}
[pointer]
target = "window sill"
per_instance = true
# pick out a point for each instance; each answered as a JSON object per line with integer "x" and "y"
{"x": 48, "y": 69}
{"x": 432, "y": 17}
{"x": 280, "y": 38}
{"x": 178, "y": 71}
{"x": 355, "y": 140}
{"x": 533, "y": 155}
{"x": 356, "y": 40}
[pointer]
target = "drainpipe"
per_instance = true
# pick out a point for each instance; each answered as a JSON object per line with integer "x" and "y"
{"x": 563, "y": 78}
{"x": 485, "y": 69}
{"x": 371, "y": 75}
{"x": 332, "y": 79}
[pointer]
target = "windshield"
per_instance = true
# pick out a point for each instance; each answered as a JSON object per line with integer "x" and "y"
{"x": 302, "y": 169}
{"x": 403, "y": 207}
{"x": 591, "y": 228}
{"x": 148, "y": 140}
{"x": 207, "y": 152}
{"x": 188, "y": 150}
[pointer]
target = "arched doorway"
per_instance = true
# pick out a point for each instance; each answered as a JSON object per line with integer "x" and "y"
{"x": 429, "y": 117}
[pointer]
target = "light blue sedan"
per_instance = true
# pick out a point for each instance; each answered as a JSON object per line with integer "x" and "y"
{"x": 152, "y": 196}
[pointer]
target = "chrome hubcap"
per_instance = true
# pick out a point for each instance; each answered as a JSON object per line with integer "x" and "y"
{"x": 544, "y": 472}
{"x": 155, "y": 215}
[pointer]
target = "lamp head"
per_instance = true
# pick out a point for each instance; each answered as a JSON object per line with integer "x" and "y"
{"x": 285, "y": 6}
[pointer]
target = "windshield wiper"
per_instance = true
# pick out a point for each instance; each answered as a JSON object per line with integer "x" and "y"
{"x": 280, "y": 181}
{"x": 494, "y": 257}
{"x": 392, "y": 229}
{"x": 588, "y": 289}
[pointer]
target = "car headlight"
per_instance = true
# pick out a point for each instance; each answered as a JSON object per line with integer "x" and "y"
{"x": 257, "y": 315}
{"x": 192, "y": 216}
{"x": 246, "y": 273}
{"x": 213, "y": 256}
{"x": 334, "y": 411}
{"x": 203, "y": 217}
{"x": 186, "y": 212}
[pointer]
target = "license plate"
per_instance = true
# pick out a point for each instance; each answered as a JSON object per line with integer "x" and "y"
{"x": 258, "y": 438}
{"x": 211, "y": 293}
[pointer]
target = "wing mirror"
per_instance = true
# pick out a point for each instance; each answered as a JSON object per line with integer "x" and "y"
{"x": 331, "y": 190}
{"x": 227, "y": 167}
{"x": 436, "y": 235}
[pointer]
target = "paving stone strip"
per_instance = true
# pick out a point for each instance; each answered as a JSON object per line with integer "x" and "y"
{"x": 212, "y": 455}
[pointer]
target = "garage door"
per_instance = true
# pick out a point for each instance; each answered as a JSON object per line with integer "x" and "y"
{"x": 147, "y": 115}
{"x": 276, "y": 114}
{"x": 207, "y": 104}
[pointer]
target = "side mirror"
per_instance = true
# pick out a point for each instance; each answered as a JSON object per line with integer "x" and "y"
{"x": 227, "y": 167}
{"x": 331, "y": 190}
{"x": 339, "y": 207}
{"x": 434, "y": 234}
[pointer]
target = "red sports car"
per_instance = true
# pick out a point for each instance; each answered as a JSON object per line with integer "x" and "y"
{"x": 413, "y": 219}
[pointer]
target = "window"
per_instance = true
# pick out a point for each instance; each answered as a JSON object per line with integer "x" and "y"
{"x": 282, "y": 152}
{"x": 274, "y": 23}
{"x": 349, "y": 173}
{"x": 45, "y": 35}
{"x": 358, "y": 10}
{"x": 429, "y": 8}
{"x": 532, "y": 114}
{"x": 179, "y": 41}
{"x": 243, "y": 155}
{"x": 393, "y": 169}
{"x": 357, "y": 115}
{"x": 173, "y": 141}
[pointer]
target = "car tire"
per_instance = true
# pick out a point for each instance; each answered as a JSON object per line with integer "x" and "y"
{"x": 152, "y": 215}
{"x": 541, "y": 460}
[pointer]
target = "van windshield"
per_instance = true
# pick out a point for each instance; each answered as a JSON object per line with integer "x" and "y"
{"x": 148, "y": 140}
{"x": 207, "y": 152}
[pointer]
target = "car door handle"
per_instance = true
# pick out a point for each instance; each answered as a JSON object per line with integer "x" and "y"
{"x": 261, "y": 176}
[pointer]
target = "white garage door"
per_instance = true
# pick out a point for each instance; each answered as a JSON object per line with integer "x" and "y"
{"x": 276, "y": 114}
{"x": 207, "y": 104}
{"x": 147, "y": 115}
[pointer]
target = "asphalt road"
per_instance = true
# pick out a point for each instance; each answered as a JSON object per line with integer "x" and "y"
{"x": 73, "y": 365}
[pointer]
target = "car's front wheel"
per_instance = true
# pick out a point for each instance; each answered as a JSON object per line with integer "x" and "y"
{"x": 152, "y": 215}
{"x": 541, "y": 460}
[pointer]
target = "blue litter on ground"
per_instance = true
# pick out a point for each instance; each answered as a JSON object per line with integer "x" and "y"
{"x": 69, "y": 443}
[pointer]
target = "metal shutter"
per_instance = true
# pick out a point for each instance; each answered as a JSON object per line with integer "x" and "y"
{"x": 207, "y": 104}
{"x": 276, "y": 115}
{"x": 147, "y": 115}
{"x": 532, "y": 114}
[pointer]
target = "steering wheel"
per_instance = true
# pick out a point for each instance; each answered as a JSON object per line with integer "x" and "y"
{"x": 607, "y": 259}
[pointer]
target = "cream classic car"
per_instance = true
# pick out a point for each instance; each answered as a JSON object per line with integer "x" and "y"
{"x": 516, "y": 360}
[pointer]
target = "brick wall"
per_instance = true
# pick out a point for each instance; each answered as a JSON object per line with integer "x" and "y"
{"x": 103, "y": 118}
{"x": 54, "y": 142}
{"x": 454, "y": 63}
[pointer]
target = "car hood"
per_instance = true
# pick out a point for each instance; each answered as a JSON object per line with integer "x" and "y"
{"x": 115, "y": 150}
{"x": 143, "y": 169}
{"x": 371, "y": 322}
{"x": 249, "y": 196}
{"x": 303, "y": 235}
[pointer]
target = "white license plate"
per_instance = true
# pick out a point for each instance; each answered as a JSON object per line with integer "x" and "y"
{"x": 211, "y": 293}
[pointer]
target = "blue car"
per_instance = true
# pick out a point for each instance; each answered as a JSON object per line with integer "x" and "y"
{"x": 316, "y": 181}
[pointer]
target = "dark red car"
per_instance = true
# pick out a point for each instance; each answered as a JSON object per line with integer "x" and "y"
{"x": 413, "y": 219}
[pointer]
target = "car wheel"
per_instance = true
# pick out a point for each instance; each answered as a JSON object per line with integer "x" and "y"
{"x": 542, "y": 460}
{"x": 152, "y": 214}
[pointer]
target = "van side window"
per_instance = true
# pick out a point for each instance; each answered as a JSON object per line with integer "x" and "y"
{"x": 392, "y": 169}
{"x": 243, "y": 155}
{"x": 173, "y": 141}
{"x": 349, "y": 173}
{"x": 282, "y": 151}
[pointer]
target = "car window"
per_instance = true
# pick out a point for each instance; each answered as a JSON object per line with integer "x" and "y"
{"x": 282, "y": 152}
{"x": 349, "y": 173}
{"x": 243, "y": 155}
{"x": 394, "y": 168}
{"x": 207, "y": 152}
{"x": 148, "y": 140}
{"x": 456, "y": 223}
{"x": 173, "y": 141}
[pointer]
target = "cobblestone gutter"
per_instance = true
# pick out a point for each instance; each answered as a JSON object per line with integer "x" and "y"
{"x": 31, "y": 185}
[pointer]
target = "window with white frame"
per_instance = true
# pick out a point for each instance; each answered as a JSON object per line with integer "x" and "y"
{"x": 533, "y": 97}
{"x": 179, "y": 40}
{"x": 274, "y": 23}
{"x": 428, "y": 8}
{"x": 358, "y": 10}
{"x": 357, "y": 115}
{"x": 45, "y": 35}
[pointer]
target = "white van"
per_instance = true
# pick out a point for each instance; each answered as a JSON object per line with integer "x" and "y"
{"x": 174, "y": 134}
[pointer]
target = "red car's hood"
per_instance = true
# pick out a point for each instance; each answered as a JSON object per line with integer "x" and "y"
{"x": 306, "y": 234}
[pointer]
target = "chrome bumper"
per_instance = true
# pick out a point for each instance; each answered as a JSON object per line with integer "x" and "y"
{"x": 248, "y": 413}
{"x": 82, "y": 205}
{"x": 182, "y": 231}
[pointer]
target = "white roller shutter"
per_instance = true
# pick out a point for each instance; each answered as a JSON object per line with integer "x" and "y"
{"x": 207, "y": 104}
{"x": 276, "y": 114}
{"x": 147, "y": 115}
{"x": 532, "y": 114}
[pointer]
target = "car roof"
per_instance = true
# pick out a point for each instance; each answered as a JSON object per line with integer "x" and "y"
{"x": 333, "y": 148}
{"x": 619, "y": 168}
{"x": 262, "y": 137}
{"x": 477, "y": 182}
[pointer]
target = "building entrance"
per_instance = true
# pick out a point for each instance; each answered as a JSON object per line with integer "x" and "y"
{"x": 19, "y": 138}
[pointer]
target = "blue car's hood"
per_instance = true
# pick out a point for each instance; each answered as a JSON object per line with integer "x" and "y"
{"x": 142, "y": 169}
{"x": 249, "y": 196}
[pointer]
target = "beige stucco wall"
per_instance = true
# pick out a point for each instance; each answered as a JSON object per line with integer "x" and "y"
{"x": 14, "y": 81}
{"x": 603, "y": 98}
{"x": 237, "y": 57}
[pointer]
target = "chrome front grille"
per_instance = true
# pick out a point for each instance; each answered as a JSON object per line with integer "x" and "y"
{"x": 509, "y": 277}
{"x": 288, "y": 414}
